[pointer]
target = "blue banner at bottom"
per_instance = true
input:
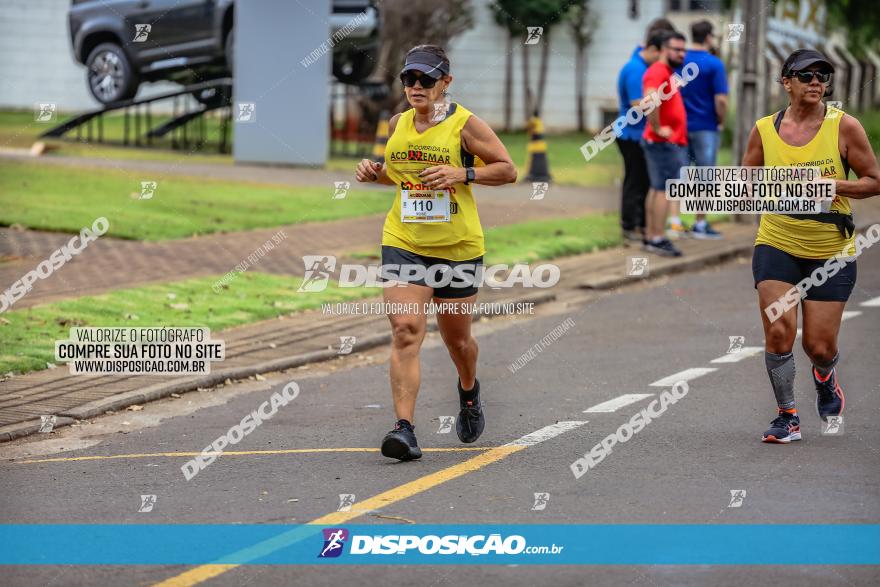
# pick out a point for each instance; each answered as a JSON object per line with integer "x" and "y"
{"x": 523, "y": 544}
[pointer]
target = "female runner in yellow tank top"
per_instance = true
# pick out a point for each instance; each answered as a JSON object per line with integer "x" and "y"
{"x": 790, "y": 249}
{"x": 432, "y": 242}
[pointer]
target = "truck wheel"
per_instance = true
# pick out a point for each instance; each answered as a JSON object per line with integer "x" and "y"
{"x": 110, "y": 75}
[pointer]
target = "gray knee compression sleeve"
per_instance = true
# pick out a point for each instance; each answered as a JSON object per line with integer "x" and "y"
{"x": 781, "y": 371}
{"x": 825, "y": 370}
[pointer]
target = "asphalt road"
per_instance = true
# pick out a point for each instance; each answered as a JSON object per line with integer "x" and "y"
{"x": 680, "y": 468}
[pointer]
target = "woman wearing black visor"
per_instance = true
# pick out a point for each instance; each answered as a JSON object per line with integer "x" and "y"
{"x": 435, "y": 152}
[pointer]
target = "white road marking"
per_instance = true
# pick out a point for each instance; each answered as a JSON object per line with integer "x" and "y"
{"x": 873, "y": 303}
{"x": 739, "y": 355}
{"x": 546, "y": 433}
{"x": 685, "y": 375}
{"x": 615, "y": 404}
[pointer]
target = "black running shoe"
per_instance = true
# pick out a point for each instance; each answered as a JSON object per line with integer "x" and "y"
{"x": 829, "y": 395}
{"x": 470, "y": 421}
{"x": 785, "y": 428}
{"x": 401, "y": 443}
{"x": 664, "y": 248}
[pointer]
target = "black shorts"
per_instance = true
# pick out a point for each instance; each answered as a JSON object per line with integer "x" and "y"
{"x": 438, "y": 271}
{"x": 771, "y": 263}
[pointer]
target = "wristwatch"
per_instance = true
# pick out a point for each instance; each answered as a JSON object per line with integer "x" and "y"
{"x": 470, "y": 175}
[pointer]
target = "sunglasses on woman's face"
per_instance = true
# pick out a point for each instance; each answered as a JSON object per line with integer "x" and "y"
{"x": 806, "y": 77}
{"x": 409, "y": 79}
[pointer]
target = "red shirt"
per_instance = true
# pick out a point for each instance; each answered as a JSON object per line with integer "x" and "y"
{"x": 672, "y": 113}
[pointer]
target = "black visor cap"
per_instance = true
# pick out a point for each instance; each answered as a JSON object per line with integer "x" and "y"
{"x": 428, "y": 63}
{"x": 807, "y": 58}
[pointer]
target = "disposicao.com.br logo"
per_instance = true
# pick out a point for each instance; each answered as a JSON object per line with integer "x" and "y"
{"x": 318, "y": 270}
{"x": 431, "y": 544}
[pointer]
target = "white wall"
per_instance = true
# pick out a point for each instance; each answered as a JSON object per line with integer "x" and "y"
{"x": 38, "y": 63}
{"x": 478, "y": 65}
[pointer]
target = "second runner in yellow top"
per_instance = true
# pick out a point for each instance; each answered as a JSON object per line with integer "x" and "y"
{"x": 807, "y": 239}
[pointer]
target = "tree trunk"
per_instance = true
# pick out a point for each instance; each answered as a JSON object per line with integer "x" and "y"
{"x": 508, "y": 84}
{"x": 542, "y": 77}
{"x": 579, "y": 76}
{"x": 527, "y": 94}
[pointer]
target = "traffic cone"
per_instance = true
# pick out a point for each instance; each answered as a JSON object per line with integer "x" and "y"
{"x": 539, "y": 167}
{"x": 381, "y": 138}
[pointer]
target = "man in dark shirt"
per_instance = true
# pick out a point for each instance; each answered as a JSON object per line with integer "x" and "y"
{"x": 635, "y": 171}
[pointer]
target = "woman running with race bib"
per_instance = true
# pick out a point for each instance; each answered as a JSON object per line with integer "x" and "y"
{"x": 789, "y": 248}
{"x": 432, "y": 241}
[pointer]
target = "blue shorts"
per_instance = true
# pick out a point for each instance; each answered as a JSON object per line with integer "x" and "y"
{"x": 703, "y": 147}
{"x": 665, "y": 161}
{"x": 771, "y": 263}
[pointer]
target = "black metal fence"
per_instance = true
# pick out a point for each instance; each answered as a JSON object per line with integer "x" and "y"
{"x": 186, "y": 129}
{"x": 354, "y": 116}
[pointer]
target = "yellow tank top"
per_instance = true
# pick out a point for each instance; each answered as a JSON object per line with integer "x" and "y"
{"x": 808, "y": 239}
{"x": 407, "y": 153}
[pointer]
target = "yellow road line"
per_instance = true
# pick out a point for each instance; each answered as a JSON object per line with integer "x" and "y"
{"x": 205, "y": 572}
{"x": 239, "y": 453}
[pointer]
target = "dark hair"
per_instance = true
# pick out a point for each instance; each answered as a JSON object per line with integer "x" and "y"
{"x": 786, "y": 71}
{"x": 659, "y": 24}
{"x": 656, "y": 39}
{"x": 668, "y": 36}
{"x": 700, "y": 30}
{"x": 434, "y": 49}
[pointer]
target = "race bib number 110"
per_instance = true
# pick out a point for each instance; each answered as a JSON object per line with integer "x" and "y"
{"x": 424, "y": 205}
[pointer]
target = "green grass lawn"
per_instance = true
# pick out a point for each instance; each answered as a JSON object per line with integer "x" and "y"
{"x": 66, "y": 199}
{"x": 528, "y": 242}
{"x": 18, "y": 129}
{"x": 567, "y": 163}
{"x": 27, "y": 336}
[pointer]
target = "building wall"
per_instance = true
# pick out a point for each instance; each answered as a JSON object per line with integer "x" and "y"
{"x": 478, "y": 65}
{"x": 38, "y": 63}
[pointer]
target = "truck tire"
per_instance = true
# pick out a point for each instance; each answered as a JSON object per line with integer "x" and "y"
{"x": 110, "y": 75}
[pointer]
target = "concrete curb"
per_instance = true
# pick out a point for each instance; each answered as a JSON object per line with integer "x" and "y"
{"x": 165, "y": 389}
{"x": 20, "y": 429}
{"x": 690, "y": 262}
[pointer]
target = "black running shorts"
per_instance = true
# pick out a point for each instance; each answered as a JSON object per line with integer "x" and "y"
{"x": 771, "y": 263}
{"x": 438, "y": 273}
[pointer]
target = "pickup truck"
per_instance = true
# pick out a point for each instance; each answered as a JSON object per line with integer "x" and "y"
{"x": 124, "y": 43}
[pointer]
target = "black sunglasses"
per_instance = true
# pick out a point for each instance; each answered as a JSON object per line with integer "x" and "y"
{"x": 806, "y": 77}
{"x": 409, "y": 78}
